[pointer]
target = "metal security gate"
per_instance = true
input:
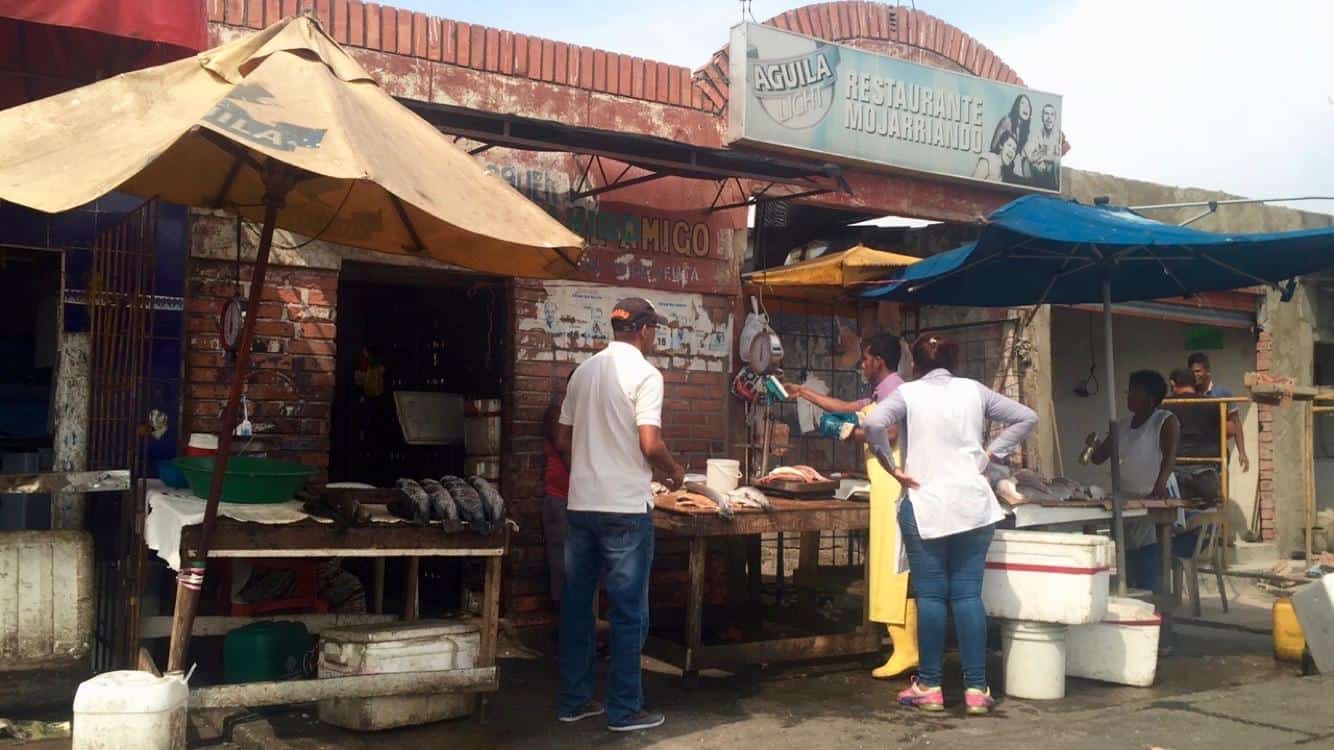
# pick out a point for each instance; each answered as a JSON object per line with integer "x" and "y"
{"x": 121, "y": 301}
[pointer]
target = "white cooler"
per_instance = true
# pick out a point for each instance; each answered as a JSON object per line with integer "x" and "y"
{"x": 1123, "y": 648}
{"x": 1040, "y": 576}
{"x": 427, "y": 646}
{"x": 1314, "y": 604}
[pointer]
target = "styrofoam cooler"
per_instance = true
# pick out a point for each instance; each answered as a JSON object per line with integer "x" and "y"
{"x": 117, "y": 710}
{"x": 427, "y": 646}
{"x": 1123, "y": 648}
{"x": 1315, "y": 611}
{"x": 1039, "y": 576}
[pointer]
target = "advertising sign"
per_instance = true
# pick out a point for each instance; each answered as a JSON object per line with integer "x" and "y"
{"x": 807, "y": 95}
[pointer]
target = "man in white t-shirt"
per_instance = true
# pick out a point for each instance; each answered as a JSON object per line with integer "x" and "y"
{"x": 610, "y": 433}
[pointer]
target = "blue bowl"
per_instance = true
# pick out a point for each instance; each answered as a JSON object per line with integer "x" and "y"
{"x": 171, "y": 475}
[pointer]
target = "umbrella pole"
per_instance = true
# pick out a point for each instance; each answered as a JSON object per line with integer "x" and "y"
{"x": 191, "y": 578}
{"x": 1118, "y": 519}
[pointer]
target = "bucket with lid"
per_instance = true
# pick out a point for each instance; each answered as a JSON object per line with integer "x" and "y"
{"x": 722, "y": 474}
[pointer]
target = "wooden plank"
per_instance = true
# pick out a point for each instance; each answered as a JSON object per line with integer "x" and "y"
{"x": 808, "y": 557}
{"x": 253, "y": 694}
{"x": 787, "y": 516}
{"x": 411, "y": 581}
{"x": 486, "y": 656}
{"x": 695, "y": 601}
{"x": 146, "y": 663}
{"x": 160, "y": 626}
{"x": 116, "y": 480}
{"x": 236, "y": 538}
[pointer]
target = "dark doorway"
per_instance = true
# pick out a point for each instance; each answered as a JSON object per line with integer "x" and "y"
{"x": 431, "y": 331}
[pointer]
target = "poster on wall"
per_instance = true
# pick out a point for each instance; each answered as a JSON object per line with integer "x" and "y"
{"x": 801, "y": 94}
{"x": 578, "y": 317}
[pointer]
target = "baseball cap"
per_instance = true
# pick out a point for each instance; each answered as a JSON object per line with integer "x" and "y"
{"x": 633, "y": 313}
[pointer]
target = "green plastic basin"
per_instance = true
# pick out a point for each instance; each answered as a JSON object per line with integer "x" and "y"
{"x": 248, "y": 479}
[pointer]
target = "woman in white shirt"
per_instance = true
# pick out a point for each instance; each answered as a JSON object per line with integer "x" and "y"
{"x": 948, "y": 513}
{"x": 1146, "y": 442}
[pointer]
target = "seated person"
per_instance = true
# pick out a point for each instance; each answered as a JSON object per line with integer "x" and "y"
{"x": 1147, "y": 445}
{"x": 1200, "y": 438}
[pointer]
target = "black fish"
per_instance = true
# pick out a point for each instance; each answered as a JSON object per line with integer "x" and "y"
{"x": 471, "y": 508}
{"x": 421, "y": 502}
{"x": 492, "y": 502}
{"x": 442, "y": 503}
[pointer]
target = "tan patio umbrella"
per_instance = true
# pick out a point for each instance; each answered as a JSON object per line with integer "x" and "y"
{"x": 281, "y": 126}
{"x": 829, "y": 276}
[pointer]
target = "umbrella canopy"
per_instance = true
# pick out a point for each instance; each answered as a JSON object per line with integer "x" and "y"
{"x": 204, "y": 131}
{"x": 829, "y": 275}
{"x": 1038, "y": 250}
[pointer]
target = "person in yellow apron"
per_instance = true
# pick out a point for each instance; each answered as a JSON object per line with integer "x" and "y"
{"x": 886, "y": 589}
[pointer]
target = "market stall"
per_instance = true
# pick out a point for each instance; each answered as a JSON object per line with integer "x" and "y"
{"x": 699, "y": 522}
{"x": 283, "y": 127}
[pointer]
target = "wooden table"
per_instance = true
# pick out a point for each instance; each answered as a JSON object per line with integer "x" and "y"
{"x": 312, "y": 539}
{"x": 805, "y": 517}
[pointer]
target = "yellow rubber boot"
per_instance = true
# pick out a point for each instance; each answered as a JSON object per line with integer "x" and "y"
{"x": 904, "y": 638}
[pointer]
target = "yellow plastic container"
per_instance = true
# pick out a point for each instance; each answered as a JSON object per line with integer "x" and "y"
{"x": 1289, "y": 641}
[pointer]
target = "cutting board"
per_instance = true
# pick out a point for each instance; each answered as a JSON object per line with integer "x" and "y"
{"x": 790, "y": 488}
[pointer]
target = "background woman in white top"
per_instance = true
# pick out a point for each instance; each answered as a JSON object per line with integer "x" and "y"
{"x": 1147, "y": 443}
{"x": 948, "y": 512}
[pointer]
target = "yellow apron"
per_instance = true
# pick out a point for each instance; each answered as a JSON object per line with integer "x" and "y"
{"x": 887, "y": 591}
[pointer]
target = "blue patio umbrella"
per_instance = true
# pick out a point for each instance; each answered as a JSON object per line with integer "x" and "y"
{"x": 1041, "y": 250}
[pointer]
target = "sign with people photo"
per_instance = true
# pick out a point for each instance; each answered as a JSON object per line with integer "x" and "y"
{"x": 802, "y": 94}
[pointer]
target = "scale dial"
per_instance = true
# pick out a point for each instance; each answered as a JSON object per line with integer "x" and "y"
{"x": 230, "y": 322}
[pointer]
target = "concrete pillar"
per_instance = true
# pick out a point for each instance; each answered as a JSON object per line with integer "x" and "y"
{"x": 1291, "y": 328}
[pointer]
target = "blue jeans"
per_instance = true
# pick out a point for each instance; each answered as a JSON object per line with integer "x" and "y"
{"x": 949, "y": 571}
{"x": 1142, "y": 565}
{"x": 619, "y": 547}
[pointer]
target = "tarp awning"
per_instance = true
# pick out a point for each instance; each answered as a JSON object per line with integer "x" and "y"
{"x": 1043, "y": 250}
{"x": 177, "y": 23}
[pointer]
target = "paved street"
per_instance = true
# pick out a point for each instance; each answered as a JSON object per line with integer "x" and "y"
{"x": 1221, "y": 690}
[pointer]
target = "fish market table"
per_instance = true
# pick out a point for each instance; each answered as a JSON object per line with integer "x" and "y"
{"x": 698, "y": 524}
{"x": 309, "y": 537}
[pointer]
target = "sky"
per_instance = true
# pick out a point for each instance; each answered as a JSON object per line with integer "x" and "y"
{"x": 1219, "y": 94}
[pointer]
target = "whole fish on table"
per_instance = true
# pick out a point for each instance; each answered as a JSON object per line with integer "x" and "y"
{"x": 442, "y": 503}
{"x": 492, "y": 502}
{"x": 419, "y": 501}
{"x": 749, "y": 497}
{"x": 718, "y": 498}
{"x": 471, "y": 508}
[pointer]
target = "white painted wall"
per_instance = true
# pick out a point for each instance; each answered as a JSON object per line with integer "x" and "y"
{"x": 1141, "y": 343}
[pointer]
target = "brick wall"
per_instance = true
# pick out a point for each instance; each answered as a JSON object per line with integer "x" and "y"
{"x": 694, "y": 426}
{"x": 1265, "y": 453}
{"x": 291, "y": 387}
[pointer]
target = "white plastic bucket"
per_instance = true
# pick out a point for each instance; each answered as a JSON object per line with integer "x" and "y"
{"x": 722, "y": 474}
{"x": 1034, "y": 659}
{"x": 117, "y": 710}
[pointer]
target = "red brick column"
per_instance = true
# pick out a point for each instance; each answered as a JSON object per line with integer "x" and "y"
{"x": 291, "y": 387}
{"x": 1265, "y": 454}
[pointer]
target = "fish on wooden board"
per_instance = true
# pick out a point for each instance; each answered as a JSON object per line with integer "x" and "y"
{"x": 471, "y": 508}
{"x": 724, "y": 507}
{"x": 420, "y": 501}
{"x": 492, "y": 503}
{"x": 749, "y": 497}
{"x": 443, "y": 507}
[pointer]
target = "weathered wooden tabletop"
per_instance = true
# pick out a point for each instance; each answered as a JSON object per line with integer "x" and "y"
{"x": 786, "y": 516}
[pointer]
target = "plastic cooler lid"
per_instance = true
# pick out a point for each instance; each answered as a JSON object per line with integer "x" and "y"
{"x": 400, "y": 631}
{"x": 1050, "y": 537}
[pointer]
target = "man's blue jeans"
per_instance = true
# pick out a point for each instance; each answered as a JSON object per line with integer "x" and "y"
{"x": 619, "y": 546}
{"x": 948, "y": 572}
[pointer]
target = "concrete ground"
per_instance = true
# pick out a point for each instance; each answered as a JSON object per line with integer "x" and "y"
{"x": 1220, "y": 689}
